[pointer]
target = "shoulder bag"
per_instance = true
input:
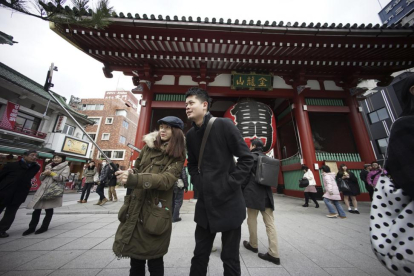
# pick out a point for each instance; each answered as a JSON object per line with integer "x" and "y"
{"x": 204, "y": 141}
{"x": 303, "y": 183}
{"x": 54, "y": 190}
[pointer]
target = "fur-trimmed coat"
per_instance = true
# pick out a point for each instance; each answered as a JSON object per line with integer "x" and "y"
{"x": 153, "y": 178}
{"x": 62, "y": 174}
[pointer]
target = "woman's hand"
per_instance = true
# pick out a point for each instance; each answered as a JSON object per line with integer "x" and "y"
{"x": 47, "y": 172}
{"x": 122, "y": 176}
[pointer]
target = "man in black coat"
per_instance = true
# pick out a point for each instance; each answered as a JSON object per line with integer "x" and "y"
{"x": 260, "y": 198}
{"x": 220, "y": 206}
{"x": 15, "y": 183}
{"x": 363, "y": 175}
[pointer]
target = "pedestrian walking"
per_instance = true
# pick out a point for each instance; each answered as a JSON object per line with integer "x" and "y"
{"x": 49, "y": 195}
{"x": 374, "y": 174}
{"x": 364, "y": 175}
{"x": 180, "y": 187}
{"x": 88, "y": 172}
{"x": 15, "y": 183}
{"x": 103, "y": 180}
{"x": 350, "y": 179}
{"x": 112, "y": 184}
{"x": 310, "y": 190}
{"x": 332, "y": 196}
{"x": 392, "y": 209}
{"x": 259, "y": 198}
{"x": 220, "y": 205}
{"x": 146, "y": 220}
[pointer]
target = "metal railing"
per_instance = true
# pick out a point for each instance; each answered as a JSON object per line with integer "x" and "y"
{"x": 27, "y": 131}
{"x": 344, "y": 157}
{"x": 295, "y": 159}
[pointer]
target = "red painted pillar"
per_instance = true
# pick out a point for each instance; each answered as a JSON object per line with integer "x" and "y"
{"x": 144, "y": 117}
{"x": 359, "y": 130}
{"x": 305, "y": 136}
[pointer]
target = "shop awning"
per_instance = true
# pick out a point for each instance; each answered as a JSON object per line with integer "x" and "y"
{"x": 11, "y": 150}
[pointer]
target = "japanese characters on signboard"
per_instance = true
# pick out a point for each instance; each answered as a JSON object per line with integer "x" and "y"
{"x": 252, "y": 81}
{"x": 395, "y": 11}
{"x": 9, "y": 116}
{"x": 75, "y": 146}
{"x": 60, "y": 124}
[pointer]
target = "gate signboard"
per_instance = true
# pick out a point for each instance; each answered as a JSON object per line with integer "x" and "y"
{"x": 252, "y": 81}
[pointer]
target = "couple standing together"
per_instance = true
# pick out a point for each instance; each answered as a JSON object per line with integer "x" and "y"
{"x": 145, "y": 229}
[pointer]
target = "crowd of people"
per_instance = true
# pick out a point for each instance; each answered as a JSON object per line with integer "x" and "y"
{"x": 156, "y": 184}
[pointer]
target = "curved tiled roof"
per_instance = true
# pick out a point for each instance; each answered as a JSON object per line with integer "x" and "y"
{"x": 237, "y": 22}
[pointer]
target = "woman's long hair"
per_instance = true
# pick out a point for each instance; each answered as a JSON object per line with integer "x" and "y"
{"x": 176, "y": 144}
{"x": 341, "y": 168}
{"x": 407, "y": 99}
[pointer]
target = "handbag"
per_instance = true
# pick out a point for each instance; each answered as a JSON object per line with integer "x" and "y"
{"x": 54, "y": 190}
{"x": 303, "y": 183}
{"x": 343, "y": 186}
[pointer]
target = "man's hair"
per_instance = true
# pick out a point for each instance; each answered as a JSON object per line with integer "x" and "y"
{"x": 257, "y": 143}
{"x": 200, "y": 94}
{"x": 326, "y": 169}
{"x": 28, "y": 152}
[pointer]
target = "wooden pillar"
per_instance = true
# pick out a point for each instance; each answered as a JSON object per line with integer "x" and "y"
{"x": 144, "y": 117}
{"x": 305, "y": 136}
{"x": 359, "y": 130}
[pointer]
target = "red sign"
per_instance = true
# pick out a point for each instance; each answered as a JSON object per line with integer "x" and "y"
{"x": 9, "y": 117}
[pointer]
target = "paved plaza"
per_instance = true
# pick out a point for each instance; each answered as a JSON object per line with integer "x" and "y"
{"x": 80, "y": 239}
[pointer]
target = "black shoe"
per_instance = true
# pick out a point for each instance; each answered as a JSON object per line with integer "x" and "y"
{"x": 177, "y": 220}
{"x": 351, "y": 211}
{"x": 317, "y": 205}
{"x": 305, "y": 205}
{"x": 3, "y": 235}
{"x": 356, "y": 212}
{"x": 40, "y": 230}
{"x": 249, "y": 247}
{"x": 28, "y": 231}
{"x": 269, "y": 258}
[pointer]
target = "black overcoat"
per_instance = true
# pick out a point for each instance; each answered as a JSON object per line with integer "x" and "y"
{"x": 352, "y": 182}
{"x": 15, "y": 182}
{"x": 220, "y": 206}
{"x": 255, "y": 194}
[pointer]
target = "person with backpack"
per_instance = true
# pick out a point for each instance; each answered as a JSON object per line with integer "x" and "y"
{"x": 260, "y": 198}
{"x": 375, "y": 174}
{"x": 220, "y": 205}
{"x": 112, "y": 184}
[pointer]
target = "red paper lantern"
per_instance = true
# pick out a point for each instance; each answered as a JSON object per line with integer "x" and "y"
{"x": 254, "y": 120}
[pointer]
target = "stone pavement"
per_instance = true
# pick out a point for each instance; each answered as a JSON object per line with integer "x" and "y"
{"x": 80, "y": 239}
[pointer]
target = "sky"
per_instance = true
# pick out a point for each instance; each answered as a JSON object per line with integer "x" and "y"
{"x": 81, "y": 75}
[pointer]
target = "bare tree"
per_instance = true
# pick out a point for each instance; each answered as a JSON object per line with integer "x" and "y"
{"x": 52, "y": 10}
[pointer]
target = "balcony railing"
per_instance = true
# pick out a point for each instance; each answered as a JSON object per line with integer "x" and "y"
{"x": 26, "y": 131}
{"x": 344, "y": 157}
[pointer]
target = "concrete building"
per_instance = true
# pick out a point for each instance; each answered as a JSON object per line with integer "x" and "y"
{"x": 30, "y": 119}
{"x": 115, "y": 118}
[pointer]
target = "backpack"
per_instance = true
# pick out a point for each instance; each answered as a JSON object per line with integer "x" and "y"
{"x": 267, "y": 171}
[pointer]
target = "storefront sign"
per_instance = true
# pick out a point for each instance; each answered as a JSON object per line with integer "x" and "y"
{"x": 9, "y": 117}
{"x": 60, "y": 124}
{"x": 75, "y": 146}
{"x": 252, "y": 81}
{"x": 395, "y": 11}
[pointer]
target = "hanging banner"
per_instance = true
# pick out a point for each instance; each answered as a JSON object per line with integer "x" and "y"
{"x": 9, "y": 116}
{"x": 60, "y": 124}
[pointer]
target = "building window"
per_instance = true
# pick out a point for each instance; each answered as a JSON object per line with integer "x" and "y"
{"x": 378, "y": 115}
{"x": 125, "y": 124}
{"x": 121, "y": 112}
{"x": 122, "y": 139}
{"x": 68, "y": 130}
{"x": 92, "y": 107}
{"x": 26, "y": 121}
{"x": 113, "y": 154}
{"x": 96, "y": 120}
{"x": 383, "y": 145}
{"x": 109, "y": 120}
{"x": 93, "y": 136}
{"x": 105, "y": 136}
